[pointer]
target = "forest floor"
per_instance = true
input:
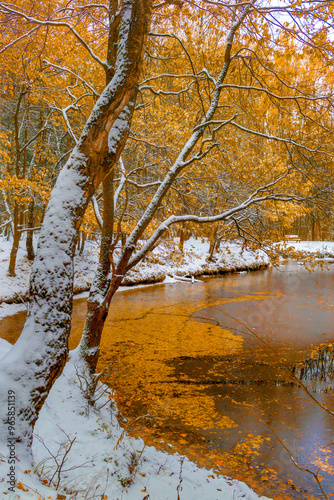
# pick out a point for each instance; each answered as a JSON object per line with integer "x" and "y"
{"x": 84, "y": 453}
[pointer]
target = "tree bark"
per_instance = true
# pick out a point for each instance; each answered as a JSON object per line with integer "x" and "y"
{"x": 30, "y": 232}
{"x": 17, "y": 210}
{"x": 17, "y": 223}
{"x": 83, "y": 241}
{"x": 181, "y": 241}
{"x": 38, "y": 357}
{"x": 97, "y": 309}
{"x": 101, "y": 295}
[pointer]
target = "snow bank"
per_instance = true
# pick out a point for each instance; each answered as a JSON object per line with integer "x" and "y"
{"x": 103, "y": 461}
{"x": 166, "y": 262}
{"x": 321, "y": 249}
{"x": 15, "y": 289}
{"x": 163, "y": 262}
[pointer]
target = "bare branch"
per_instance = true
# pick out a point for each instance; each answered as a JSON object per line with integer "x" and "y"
{"x": 61, "y": 68}
{"x": 9, "y": 45}
{"x": 279, "y": 139}
{"x": 262, "y": 89}
{"x": 97, "y": 212}
{"x": 59, "y": 24}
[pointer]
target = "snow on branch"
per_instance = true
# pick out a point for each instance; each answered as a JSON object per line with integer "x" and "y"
{"x": 253, "y": 199}
{"x": 182, "y": 160}
{"x": 60, "y": 24}
{"x": 163, "y": 92}
{"x": 97, "y": 212}
{"x": 271, "y": 94}
{"x": 279, "y": 139}
{"x": 10, "y": 44}
{"x": 170, "y": 75}
{"x": 67, "y": 70}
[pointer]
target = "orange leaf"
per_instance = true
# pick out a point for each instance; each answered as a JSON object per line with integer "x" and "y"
{"x": 20, "y": 486}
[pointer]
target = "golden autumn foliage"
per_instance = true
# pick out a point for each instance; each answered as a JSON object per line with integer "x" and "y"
{"x": 64, "y": 78}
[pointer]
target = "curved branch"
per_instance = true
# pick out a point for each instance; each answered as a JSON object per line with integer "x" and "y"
{"x": 60, "y": 24}
{"x": 9, "y": 45}
{"x": 72, "y": 73}
{"x": 279, "y": 139}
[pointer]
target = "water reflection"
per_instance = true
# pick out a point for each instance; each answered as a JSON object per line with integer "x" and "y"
{"x": 320, "y": 366}
{"x": 218, "y": 364}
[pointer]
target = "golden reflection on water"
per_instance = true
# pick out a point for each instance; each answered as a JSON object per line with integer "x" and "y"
{"x": 148, "y": 346}
{"x": 153, "y": 340}
{"x": 209, "y": 386}
{"x": 171, "y": 350}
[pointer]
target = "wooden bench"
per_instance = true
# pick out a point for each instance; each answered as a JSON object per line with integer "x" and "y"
{"x": 292, "y": 237}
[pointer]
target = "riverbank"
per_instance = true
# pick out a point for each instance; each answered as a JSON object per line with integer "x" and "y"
{"x": 102, "y": 462}
{"x": 165, "y": 262}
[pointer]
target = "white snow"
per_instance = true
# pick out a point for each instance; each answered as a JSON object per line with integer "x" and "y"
{"x": 322, "y": 249}
{"x": 161, "y": 265}
{"x": 165, "y": 263}
{"x": 16, "y": 289}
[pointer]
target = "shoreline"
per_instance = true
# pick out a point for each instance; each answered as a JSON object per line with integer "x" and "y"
{"x": 131, "y": 283}
{"x": 162, "y": 265}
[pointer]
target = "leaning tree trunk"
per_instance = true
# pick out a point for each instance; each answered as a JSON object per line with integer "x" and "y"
{"x": 102, "y": 289}
{"x": 39, "y": 355}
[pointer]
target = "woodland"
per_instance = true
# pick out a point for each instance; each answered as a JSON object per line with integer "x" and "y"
{"x": 136, "y": 121}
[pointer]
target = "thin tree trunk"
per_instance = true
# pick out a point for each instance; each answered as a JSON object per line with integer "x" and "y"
{"x": 17, "y": 212}
{"x": 83, "y": 241}
{"x": 181, "y": 241}
{"x": 17, "y": 220}
{"x": 213, "y": 241}
{"x": 101, "y": 295}
{"x": 8, "y": 212}
{"x": 30, "y": 232}
{"x": 97, "y": 310}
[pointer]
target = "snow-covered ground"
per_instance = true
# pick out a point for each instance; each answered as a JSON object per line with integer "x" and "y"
{"x": 321, "y": 249}
{"x": 102, "y": 462}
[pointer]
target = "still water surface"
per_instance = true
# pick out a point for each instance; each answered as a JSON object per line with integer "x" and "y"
{"x": 217, "y": 366}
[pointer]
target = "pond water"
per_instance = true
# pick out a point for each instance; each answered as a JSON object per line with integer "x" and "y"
{"x": 229, "y": 371}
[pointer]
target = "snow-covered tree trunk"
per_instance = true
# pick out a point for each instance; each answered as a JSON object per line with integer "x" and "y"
{"x": 38, "y": 357}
